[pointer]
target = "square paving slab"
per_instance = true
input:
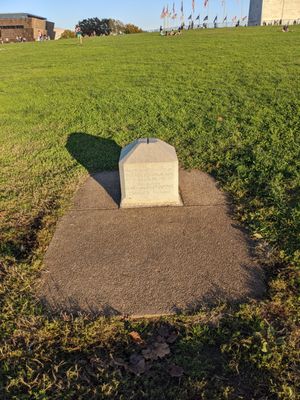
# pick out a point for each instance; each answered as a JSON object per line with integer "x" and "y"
{"x": 148, "y": 261}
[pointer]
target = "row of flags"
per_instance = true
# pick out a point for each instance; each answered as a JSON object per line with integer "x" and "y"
{"x": 166, "y": 13}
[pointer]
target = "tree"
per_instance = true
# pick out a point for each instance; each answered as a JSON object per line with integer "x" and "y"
{"x": 105, "y": 26}
{"x": 130, "y": 28}
{"x": 67, "y": 34}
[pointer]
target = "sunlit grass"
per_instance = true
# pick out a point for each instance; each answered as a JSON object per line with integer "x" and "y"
{"x": 229, "y": 101}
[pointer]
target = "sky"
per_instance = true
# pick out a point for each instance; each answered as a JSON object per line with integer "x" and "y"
{"x": 143, "y": 13}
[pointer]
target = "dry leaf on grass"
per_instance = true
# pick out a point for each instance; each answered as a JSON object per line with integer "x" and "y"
{"x": 158, "y": 350}
{"x": 137, "y": 364}
{"x": 166, "y": 334}
{"x": 163, "y": 330}
{"x": 175, "y": 371}
{"x": 135, "y": 336}
{"x": 172, "y": 337}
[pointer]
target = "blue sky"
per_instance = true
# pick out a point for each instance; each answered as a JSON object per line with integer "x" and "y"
{"x": 144, "y": 13}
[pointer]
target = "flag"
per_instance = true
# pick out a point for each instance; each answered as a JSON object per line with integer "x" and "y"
{"x": 225, "y": 19}
{"x": 167, "y": 11}
{"x": 198, "y": 18}
{"x": 193, "y": 5}
{"x": 174, "y": 16}
{"x": 206, "y": 18}
{"x": 163, "y": 13}
{"x": 205, "y": 3}
{"x": 245, "y": 17}
{"x": 234, "y": 19}
{"x": 182, "y": 7}
{"x": 190, "y": 17}
{"x": 216, "y": 18}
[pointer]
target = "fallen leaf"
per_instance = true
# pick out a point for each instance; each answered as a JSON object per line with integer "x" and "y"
{"x": 156, "y": 351}
{"x": 148, "y": 354}
{"x": 160, "y": 339}
{"x": 172, "y": 337}
{"x": 135, "y": 358}
{"x": 135, "y": 336}
{"x": 163, "y": 330}
{"x": 161, "y": 349}
{"x": 175, "y": 371}
{"x": 258, "y": 236}
{"x": 137, "y": 364}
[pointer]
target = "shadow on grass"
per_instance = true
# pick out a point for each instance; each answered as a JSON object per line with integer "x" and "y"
{"x": 92, "y": 152}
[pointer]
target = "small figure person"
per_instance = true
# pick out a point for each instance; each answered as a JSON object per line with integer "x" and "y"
{"x": 78, "y": 33}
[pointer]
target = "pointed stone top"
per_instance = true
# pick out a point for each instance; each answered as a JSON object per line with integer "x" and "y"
{"x": 148, "y": 151}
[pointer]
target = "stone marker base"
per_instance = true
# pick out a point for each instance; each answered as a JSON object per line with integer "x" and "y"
{"x": 127, "y": 204}
{"x": 148, "y": 261}
{"x": 149, "y": 174}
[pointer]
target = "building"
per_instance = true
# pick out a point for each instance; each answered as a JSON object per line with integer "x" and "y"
{"x": 24, "y": 25}
{"x": 269, "y": 12}
{"x": 59, "y": 32}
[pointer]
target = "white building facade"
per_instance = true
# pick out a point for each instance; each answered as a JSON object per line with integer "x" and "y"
{"x": 270, "y": 12}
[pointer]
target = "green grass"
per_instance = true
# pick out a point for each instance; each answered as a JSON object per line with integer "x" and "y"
{"x": 229, "y": 101}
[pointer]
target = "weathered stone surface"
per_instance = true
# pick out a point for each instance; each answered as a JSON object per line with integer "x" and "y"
{"x": 149, "y": 174}
{"x": 148, "y": 261}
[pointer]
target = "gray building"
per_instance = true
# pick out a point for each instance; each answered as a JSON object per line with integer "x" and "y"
{"x": 269, "y": 12}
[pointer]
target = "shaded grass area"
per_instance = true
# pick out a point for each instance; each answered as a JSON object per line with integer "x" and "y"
{"x": 228, "y": 100}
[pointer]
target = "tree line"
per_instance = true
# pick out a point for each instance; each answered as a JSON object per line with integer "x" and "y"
{"x": 106, "y": 26}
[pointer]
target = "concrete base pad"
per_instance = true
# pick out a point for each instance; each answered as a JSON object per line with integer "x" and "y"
{"x": 148, "y": 261}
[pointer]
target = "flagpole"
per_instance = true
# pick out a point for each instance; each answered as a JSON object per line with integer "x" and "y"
{"x": 168, "y": 17}
{"x": 193, "y": 18}
{"x": 223, "y": 11}
{"x": 282, "y": 11}
{"x": 226, "y": 12}
{"x": 241, "y": 10}
{"x": 208, "y": 13}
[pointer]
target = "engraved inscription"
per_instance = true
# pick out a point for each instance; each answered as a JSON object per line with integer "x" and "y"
{"x": 152, "y": 181}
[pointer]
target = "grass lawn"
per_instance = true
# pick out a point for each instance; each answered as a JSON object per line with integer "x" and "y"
{"x": 229, "y": 101}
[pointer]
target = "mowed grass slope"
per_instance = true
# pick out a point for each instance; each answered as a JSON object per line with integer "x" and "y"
{"x": 229, "y": 101}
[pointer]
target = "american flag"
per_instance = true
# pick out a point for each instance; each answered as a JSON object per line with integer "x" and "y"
{"x": 193, "y": 5}
{"x": 205, "y": 3}
{"x": 163, "y": 13}
{"x": 167, "y": 11}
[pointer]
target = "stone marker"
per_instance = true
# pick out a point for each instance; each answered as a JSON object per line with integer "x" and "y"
{"x": 149, "y": 174}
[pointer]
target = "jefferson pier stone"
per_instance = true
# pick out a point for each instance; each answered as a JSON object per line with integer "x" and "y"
{"x": 149, "y": 174}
